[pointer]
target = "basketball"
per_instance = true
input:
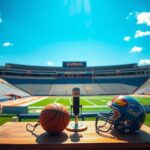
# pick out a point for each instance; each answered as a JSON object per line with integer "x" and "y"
{"x": 54, "y": 118}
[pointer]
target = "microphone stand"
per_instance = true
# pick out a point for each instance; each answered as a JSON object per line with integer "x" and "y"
{"x": 76, "y": 126}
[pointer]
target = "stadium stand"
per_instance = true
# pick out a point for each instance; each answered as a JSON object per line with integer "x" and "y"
{"x": 4, "y": 98}
{"x": 37, "y": 89}
{"x": 8, "y": 91}
{"x": 144, "y": 89}
{"x": 40, "y": 80}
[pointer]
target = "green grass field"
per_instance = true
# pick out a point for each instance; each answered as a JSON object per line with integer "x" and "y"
{"x": 89, "y": 103}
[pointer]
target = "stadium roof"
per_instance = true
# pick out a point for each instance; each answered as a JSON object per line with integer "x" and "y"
{"x": 19, "y": 66}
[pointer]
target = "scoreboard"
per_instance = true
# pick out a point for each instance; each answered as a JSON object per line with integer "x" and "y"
{"x": 74, "y": 64}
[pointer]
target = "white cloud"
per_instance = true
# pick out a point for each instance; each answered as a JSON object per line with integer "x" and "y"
{"x": 7, "y": 44}
{"x": 130, "y": 14}
{"x": 127, "y": 38}
{"x": 143, "y": 18}
{"x": 144, "y": 62}
{"x": 140, "y": 33}
{"x": 49, "y": 63}
{"x": 136, "y": 49}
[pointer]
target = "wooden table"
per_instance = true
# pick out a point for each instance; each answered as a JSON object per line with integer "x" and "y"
{"x": 13, "y": 136}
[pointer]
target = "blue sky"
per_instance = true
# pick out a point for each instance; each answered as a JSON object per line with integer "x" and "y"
{"x": 100, "y": 32}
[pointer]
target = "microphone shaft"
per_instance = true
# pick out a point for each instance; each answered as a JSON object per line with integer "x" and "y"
{"x": 76, "y": 105}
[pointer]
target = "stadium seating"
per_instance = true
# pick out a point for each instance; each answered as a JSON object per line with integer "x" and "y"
{"x": 86, "y": 89}
{"x": 144, "y": 89}
{"x": 4, "y": 98}
{"x": 36, "y": 89}
{"x": 126, "y": 85}
{"x": 7, "y": 89}
{"x": 96, "y": 80}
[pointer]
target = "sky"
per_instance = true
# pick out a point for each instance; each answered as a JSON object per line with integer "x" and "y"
{"x": 100, "y": 32}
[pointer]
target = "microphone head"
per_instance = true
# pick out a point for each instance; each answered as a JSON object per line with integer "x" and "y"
{"x": 76, "y": 92}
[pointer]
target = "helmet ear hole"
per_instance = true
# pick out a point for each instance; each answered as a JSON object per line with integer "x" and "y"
{"x": 128, "y": 126}
{"x": 128, "y": 123}
{"x": 124, "y": 126}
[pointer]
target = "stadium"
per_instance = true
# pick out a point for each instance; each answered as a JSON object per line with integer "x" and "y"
{"x": 98, "y": 84}
{"x": 26, "y": 90}
{"x": 74, "y": 74}
{"x": 100, "y": 80}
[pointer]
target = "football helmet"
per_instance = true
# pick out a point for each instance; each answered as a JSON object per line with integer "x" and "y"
{"x": 127, "y": 115}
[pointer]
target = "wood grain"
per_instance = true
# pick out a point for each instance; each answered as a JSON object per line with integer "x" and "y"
{"x": 13, "y": 135}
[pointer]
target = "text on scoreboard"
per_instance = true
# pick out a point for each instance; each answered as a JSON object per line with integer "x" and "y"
{"x": 74, "y": 64}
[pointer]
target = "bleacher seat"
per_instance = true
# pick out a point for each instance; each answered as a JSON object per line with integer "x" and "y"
{"x": 8, "y": 89}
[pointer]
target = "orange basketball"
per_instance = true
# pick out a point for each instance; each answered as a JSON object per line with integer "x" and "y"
{"x": 54, "y": 118}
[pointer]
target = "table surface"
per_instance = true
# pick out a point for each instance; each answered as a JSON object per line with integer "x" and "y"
{"x": 15, "y": 133}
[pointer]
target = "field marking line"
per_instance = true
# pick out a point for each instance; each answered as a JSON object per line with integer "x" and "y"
{"x": 103, "y": 100}
{"x": 37, "y": 109}
{"x": 56, "y": 99}
{"x": 102, "y": 106}
{"x": 70, "y": 100}
{"x": 87, "y": 97}
{"x": 89, "y": 102}
{"x": 34, "y": 101}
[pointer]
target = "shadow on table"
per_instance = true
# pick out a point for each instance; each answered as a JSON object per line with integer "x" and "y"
{"x": 75, "y": 137}
{"x": 138, "y": 136}
{"x": 46, "y": 138}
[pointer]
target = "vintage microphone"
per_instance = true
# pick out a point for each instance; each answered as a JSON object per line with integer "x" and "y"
{"x": 76, "y": 104}
{"x": 76, "y": 127}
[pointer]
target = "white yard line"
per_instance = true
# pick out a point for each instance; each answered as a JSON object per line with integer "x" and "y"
{"x": 70, "y": 100}
{"x": 56, "y": 99}
{"x": 37, "y": 109}
{"x": 87, "y": 97}
{"x": 34, "y": 101}
{"x": 101, "y": 106}
{"x": 103, "y": 100}
{"x": 89, "y": 102}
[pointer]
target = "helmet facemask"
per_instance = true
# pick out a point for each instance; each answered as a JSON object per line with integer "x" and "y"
{"x": 104, "y": 121}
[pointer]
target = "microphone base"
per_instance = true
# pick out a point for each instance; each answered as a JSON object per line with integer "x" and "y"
{"x": 76, "y": 127}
